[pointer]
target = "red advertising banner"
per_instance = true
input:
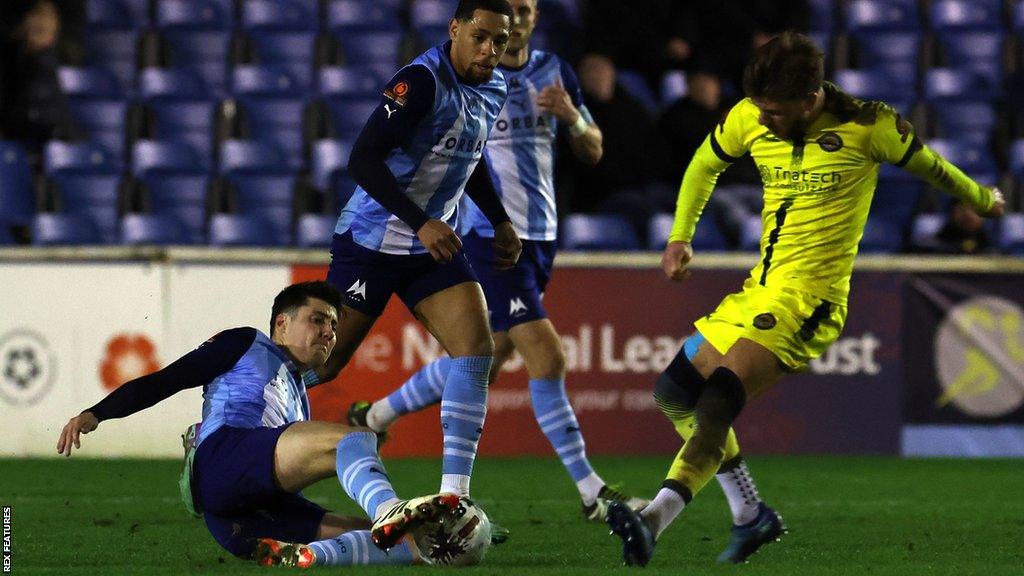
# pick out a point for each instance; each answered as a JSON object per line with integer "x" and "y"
{"x": 620, "y": 328}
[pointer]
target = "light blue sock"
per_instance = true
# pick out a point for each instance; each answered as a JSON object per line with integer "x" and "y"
{"x": 463, "y": 408}
{"x": 352, "y": 548}
{"x": 558, "y": 422}
{"x": 361, "y": 472}
{"x": 422, "y": 389}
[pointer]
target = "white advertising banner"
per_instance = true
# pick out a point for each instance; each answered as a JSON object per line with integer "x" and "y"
{"x": 72, "y": 332}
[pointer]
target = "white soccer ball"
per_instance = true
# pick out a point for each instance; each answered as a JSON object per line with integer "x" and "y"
{"x": 461, "y": 538}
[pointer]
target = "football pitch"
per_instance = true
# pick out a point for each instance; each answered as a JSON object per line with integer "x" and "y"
{"x": 847, "y": 515}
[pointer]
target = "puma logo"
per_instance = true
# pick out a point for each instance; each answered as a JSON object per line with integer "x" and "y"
{"x": 387, "y": 108}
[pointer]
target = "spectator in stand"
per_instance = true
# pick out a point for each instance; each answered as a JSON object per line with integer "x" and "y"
{"x": 33, "y": 109}
{"x": 687, "y": 121}
{"x": 963, "y": 233}
{"x": 630, "y": 160}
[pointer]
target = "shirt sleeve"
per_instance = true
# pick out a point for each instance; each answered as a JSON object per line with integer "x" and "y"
{"x": 893, "y": 140}
{"x": 214, "y": 357}
{"x": 408, "y": 98}
{"x": 723, "y": 146}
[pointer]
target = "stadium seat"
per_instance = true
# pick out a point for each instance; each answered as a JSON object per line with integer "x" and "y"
{"x": 962, "y": 15}
{"x": 429, "y": 19}
{"x": 872, "y": 85}
{"x": 361, "y": 16}
{"x": 750, "y": 233}
{"x": 154, "y": 157}
{"x": 273, "y": 106}
{"x": 881, "y": 235}
{"x": 894, "y": 52}
{"x": 673, "y": 86}
{"x": 881, "y": 15}
{"x": 379, "y": 48}
{"x": 706, "y": 237}
{"x": 1017, "y": 157}
{"x": 89, "y": 83}
{"x": 981, "y": 52}
{"x": 348, "y": 116}
{"x": 924, "y": 230}
{"x": 956, "y": 84}
{"x": 51, "y": 229}
{"x": 292, "y": 51}
{"x": 972, "y": 121}
{"x": 175, "y": 183}
{"x": 240, "y": 230}
{"x": 152, "y": 229}
{"x": 114, "y": 50}
{"x": 279, "y": 16}
{"x": 1011, "y": 238}
{"x": 1017, "y": 18}
{"x": 823, "y": 15}
{"x": 103, "y": 121}
{"x": 598, "y": 232}
{"x": 262, "y": 182}
{"x": 87, "y": 180}
{"x": 330, "y": 158}
{"x": 315, "y": 230}
{"x": 78, "y": 158}
{"x": 170, "y": 83}
{"x": 972, "y": 158}
{"x": 17, "y": 200}
{"x": 205, "y": 51}
{"x": 108, "y": 14}
{"x": 194, "y": 15}
{"x": 636, "y": 86}
{"x": 896, "y": 200}
{"x": 251, "y": 157}
{"x": 349, "y": 82}
{"x": 189, "y": 121}
{"x": 6, "y": 239}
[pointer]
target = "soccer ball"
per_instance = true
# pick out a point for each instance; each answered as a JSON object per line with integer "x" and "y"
{"x": 460, "y": 538}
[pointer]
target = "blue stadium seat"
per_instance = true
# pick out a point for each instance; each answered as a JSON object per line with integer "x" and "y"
{"x": 205, "y": 51}
{"x": 273, "y": 105}
{"x": 981, "y": 52}
{"x": 897, "y": 200}
{"x": 154, "y": 157}
{"x": 751, "y": 228}
{"x": 6, "y": 239}
{"x": 823, "y": 15}
{"x": 171, "y": 83}
{"x": 673, "y": 86}
{"x": 350, "y": 82}
{"x": 152, "y": 229}
{"x": 881, "y": 235}
{"x": 636, "y": 86}
{"x": 1017, "y": 157}
{"x": 378, "y": 47}
{"x": 1011, "y": 238}
{"x": 896, "y": 53}
{"x": 113, "y": 50}
{"x": 973, "y": 121}
{"x": 295, "y": 52}
{"x": 881, "y": 15}
{"x": 194, "y": 15}
{"x": 240, "y": 230}
{"x": 972, "y": 158}
{"x": 349, "y": 116}
{"x": 103, "y": 120}
{"x": 956, "y": 84}
{"x": 279, "y": 16}
{"x": 431, "y": 13}
{"x": 175, "y": 183}
{"x": 961, "y": 15}
{"x": 51, "y": 229}
{"x": 189, "y": 121}
{"x": 87, "y": 177}
{"x": 17, "y": 200}
{"x": 924, "y": 231}
{"x": 315, "y": 230}
{"x": 361, "y": 16}
{"x": 251, "y": 157}
{"x": 108, "y": 14}
{"x": 873, "y": 85}
{"x": 598, "y": 232}
{"x": 1017, "y": 18}
{"x": 706, "y": 237}
{"x": 329, "y": 158}
{"x": 263, "y": 184}
{"x": 89, "y": 83}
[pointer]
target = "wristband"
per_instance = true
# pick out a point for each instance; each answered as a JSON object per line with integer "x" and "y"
{"x": 579, "y": 128}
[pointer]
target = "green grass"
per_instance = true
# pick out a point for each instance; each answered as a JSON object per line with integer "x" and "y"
{"x": 846, "y": 516}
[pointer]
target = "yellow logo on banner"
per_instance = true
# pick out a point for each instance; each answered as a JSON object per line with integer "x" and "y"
{"x": 979, "y": 357}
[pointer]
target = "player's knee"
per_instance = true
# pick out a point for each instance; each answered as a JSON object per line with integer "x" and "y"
{"x": 723, "y": 397}
{"x": 550, "y": 364}
{"x": 680, "y": 384}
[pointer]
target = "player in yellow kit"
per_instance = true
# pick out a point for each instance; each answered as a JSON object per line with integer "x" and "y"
{"x": 818, "y": 151}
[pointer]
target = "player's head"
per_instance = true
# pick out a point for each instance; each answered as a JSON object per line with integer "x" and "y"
{"x": 524, "y": 20}
{"x": 784, "y": 81}
{"x": 304, "y": 321}
{"x": 479, "y": 33}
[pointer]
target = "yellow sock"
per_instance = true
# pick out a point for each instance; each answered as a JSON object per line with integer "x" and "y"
{"x": 694, "y": 477}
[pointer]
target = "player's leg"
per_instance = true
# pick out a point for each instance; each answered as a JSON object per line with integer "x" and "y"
{"x": 457, "y": 317}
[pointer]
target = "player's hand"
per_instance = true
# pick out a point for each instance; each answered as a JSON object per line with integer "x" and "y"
{"x": 998, "y": 205}
{"x": 442, "y": 242}
{"x": 675, "y": 259}
{"x": 554, "y": 100}
{"x": 507, "y": 246}
{"x": 82, "y": 424}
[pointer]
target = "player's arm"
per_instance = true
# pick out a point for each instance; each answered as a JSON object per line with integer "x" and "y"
{"x": 723, "y": 146}
{"x": 407, "y": 99}
{"x": 564, "y": 100}
{"x": 893, "y": 140}
{"x": 197, "y": 368}
{"x": 480, "y": 187}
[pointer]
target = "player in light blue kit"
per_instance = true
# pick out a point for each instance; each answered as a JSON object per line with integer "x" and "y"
{"x": 543, "y": 94}
{"x": 396, "y": 235}
{"x": 256, "y": 447}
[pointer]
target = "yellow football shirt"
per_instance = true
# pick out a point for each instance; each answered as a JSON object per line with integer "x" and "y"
{"x": 818, "y": 188}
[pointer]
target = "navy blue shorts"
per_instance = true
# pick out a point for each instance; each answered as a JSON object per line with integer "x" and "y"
{"x": 233, "y": 482}
{"x": 514, "y": 296}
{"x": 367, "y": 278}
